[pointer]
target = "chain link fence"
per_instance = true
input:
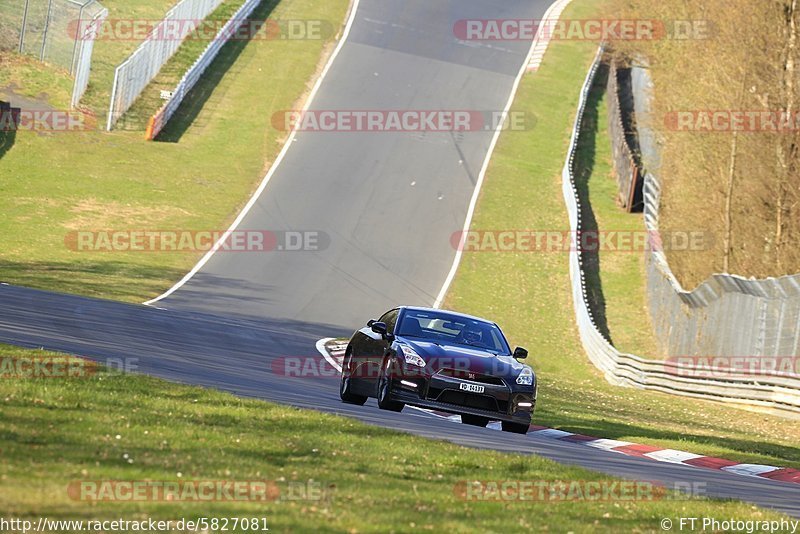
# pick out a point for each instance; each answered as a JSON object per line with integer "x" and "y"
{"x": 59, "y": 32}
{"x": 745, "y": 317}
{"x": 624, "y": 160}
{"x": 135, "y": 73}
{"x": 726, "y": 315}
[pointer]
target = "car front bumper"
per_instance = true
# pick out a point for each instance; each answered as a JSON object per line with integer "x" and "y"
{"x": 436, "y": 392}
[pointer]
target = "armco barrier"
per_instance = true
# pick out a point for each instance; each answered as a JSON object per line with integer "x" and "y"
{"x": 776, "y": 392}
{"x": 192, "y": 76}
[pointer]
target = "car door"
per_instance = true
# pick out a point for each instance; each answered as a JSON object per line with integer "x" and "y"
{"x": 368, "y": 354}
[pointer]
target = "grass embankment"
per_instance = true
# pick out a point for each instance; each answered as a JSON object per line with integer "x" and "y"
{"x": 333, "y": 474}
{"x": 95, "y": 181}
{"x": 173, "y": 70}
{"x": 528, "y": 293}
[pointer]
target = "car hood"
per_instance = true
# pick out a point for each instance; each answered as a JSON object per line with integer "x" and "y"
{"x": 443, "y": 355}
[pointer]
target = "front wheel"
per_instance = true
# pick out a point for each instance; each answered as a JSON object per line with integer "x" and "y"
{"x": 345, "y": 385}
{"x": 517, "y": 428}
{"x": 384, "y": 394}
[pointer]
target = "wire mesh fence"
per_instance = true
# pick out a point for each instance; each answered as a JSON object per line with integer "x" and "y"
{"x": 626, "y": 166}
{"x": 726, "y": 314}
{"x": 747, "y": 317}
{"x": 135, "y": 73}
{"x": 59, "y": 32}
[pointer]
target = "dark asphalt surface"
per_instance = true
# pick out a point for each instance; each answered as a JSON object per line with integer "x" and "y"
{"x": 389, "y": 244}
{"x": 389, "y": 239}
{"x": 237, "y": 355}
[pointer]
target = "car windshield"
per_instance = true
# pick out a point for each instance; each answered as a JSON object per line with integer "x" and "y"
{"x": 442, "y": 327}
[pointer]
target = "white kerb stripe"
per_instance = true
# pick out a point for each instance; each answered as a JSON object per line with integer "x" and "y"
{"x": 752, "y": 470}
{"x": 607, "y": 444}
{"x": 672, "y": 456}
{"x": 551, "y": 433}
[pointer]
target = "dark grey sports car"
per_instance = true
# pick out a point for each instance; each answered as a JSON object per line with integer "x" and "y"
{"x": 440, "y": 360}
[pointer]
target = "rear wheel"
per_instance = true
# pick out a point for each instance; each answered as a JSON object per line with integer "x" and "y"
{"x": 345, "y": 385}
{"x": 475, "y": 420}
{"x": 383, "y": 393}
{"x": 517, "y": 428}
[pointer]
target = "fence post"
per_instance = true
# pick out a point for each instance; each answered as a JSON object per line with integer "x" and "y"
{"x": 113, "y": 99}
{"x": 24, "y": 25}
{"x": 79, "y": 34}
{"x": 46, "y": 29}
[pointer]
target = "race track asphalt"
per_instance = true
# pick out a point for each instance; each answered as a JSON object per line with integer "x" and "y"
{"x": 387, "y": 205}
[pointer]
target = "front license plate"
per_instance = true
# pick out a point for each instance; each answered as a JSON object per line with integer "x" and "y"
{"x": 472, "y": 388}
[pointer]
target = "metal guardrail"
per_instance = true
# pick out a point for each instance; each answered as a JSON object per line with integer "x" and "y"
{"x": 135, "y": 73}
{"x": 192, "y": 76}
{"x": 768, "y": 391}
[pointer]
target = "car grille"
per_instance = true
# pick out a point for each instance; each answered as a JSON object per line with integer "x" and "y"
{"x": 473, "y": 377}
{"x": 469, "y": 400}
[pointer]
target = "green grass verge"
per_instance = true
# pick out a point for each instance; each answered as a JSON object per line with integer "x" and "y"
{"x": 529, "y": 294}
{"x": 361, "y": 478}
{"x": 101, "y": 181}
{"x": 27, "y": 77}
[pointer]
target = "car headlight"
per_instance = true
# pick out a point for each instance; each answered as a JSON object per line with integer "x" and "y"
{"x": 411, "y": 356}
{"x": 525, "y": 378}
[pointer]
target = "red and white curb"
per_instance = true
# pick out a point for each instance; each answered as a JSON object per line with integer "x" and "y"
{"x": 545, "y": 34}
{"x": 333, "y": 351}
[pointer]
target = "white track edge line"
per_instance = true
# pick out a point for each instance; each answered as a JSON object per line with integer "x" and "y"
{"x": 474, "y": 200}
{"x": 199, "y": 265}
{"x": 322, "y": 350}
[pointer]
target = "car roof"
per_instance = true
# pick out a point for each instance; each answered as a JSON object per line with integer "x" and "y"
{"x": 451, "y": 312}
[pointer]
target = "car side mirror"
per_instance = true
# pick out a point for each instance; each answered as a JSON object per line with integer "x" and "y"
{"x": 520, "y": 353}
{"x": 379, "y": 328}
{"x": 371, "y": 322}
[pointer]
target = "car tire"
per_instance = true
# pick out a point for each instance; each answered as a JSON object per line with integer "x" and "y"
{"x": 517, "y": 428}
{"x": 474, "y": 420}
{"x": 345, "y": 392}
{"x": 382, "y": 390}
